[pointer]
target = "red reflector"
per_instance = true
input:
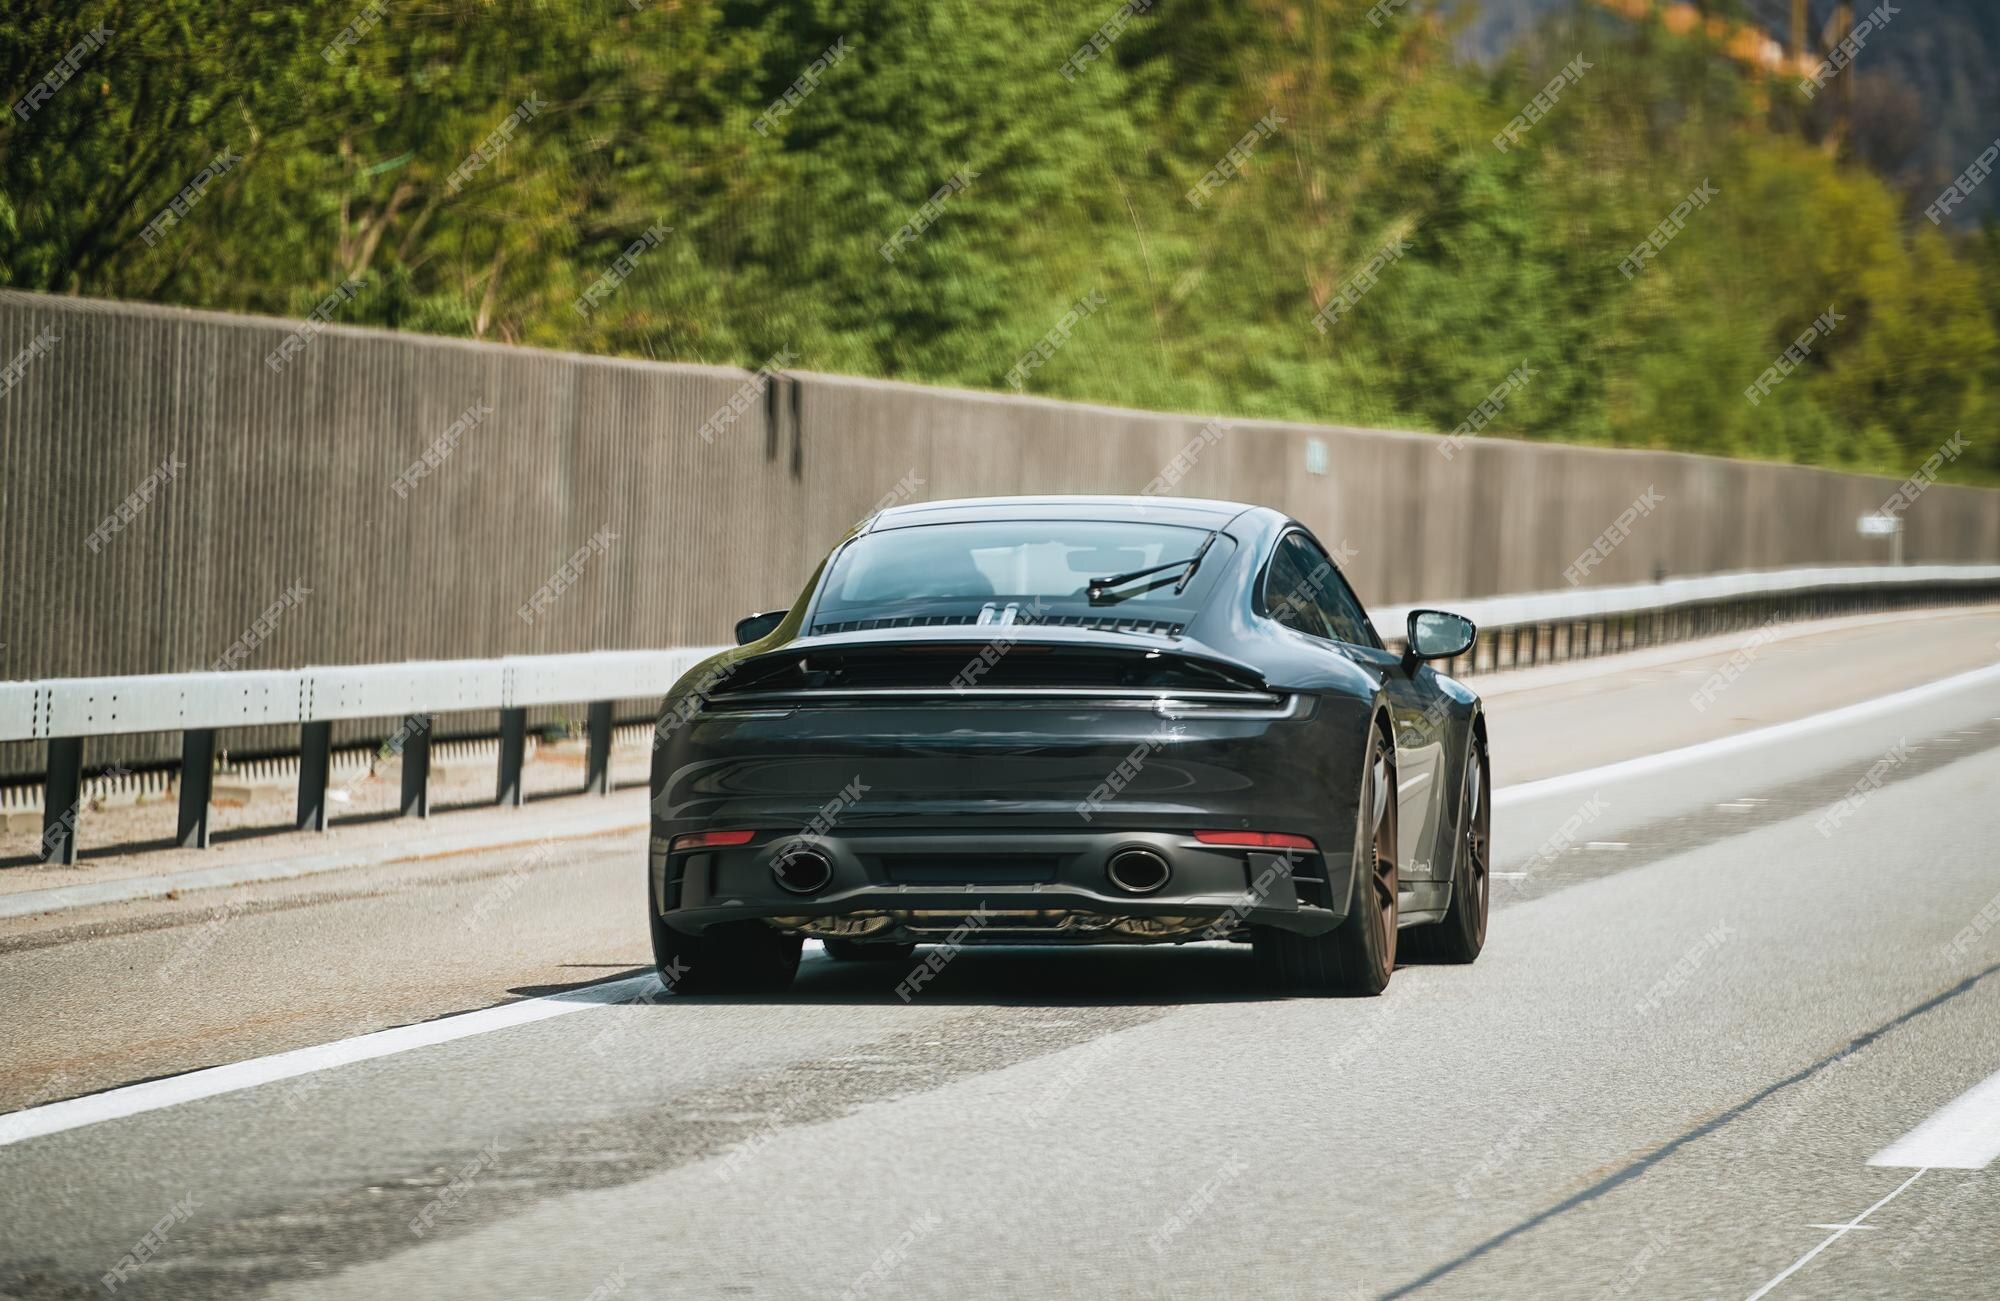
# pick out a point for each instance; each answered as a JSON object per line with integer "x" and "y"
{"x": 709, "y": 839}
{"x": 1255, "y": 840}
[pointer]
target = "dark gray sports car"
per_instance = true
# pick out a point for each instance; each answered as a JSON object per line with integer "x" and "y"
{"x": 1071, "y": 720}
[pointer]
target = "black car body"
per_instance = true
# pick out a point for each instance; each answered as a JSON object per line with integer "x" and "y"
{"x": 918, "y": 752}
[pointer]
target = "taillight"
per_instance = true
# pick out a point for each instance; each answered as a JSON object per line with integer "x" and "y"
{"x": 1255, "y": 840}
{"x": 709, "y": 840}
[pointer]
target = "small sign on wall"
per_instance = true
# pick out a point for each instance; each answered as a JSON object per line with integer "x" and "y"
{"x": 1878, "y": 526}
{"x": 1884, "y": 525}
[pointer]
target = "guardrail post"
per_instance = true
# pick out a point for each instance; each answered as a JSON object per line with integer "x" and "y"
{"x": 513, "y": 754}
{"x": 417, "y": 766}
{"x": 197, "y": 785}
{"x": 315, "y": 770}
{"x": 597, "y": 772}
{"x": 62, "y": 794}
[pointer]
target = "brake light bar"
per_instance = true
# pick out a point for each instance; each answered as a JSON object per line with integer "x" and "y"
{"x": 1255, "y": 840}
{"x": 709, "y": 840}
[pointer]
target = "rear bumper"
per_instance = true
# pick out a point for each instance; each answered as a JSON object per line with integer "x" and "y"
{"x": 1015, "y": 806}
{"x": 1006, "y": 884}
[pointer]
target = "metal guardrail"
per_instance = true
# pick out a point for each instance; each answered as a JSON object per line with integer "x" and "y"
{"x": 1514, "y": 631}
{"x": 64, "y": 712}
{"x": 1552, "y": 627}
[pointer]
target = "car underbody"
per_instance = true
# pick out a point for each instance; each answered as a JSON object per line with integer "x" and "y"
{"x": 1014, "y": 926}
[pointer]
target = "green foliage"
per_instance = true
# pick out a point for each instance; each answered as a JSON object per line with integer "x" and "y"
{"x": 649, "y": 117}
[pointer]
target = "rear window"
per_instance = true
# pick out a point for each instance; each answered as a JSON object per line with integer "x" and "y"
{"x": 951, "y": 573}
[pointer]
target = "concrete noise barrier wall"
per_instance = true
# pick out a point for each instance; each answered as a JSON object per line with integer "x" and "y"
{"x": 182, "y": 490}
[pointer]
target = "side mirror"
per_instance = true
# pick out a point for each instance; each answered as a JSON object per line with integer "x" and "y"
{"x": 1436, "y": 635}
{"x": 757, "y": 627}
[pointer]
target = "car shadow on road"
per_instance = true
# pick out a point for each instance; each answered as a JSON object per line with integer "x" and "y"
{"x": 1024, "y": 976}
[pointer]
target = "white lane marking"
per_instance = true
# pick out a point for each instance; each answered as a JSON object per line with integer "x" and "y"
{"x": 1839, "y": 1231}
{"x": 1964, "y": 1134}
{"x": 1703, "y": 751}
{"x": 152, "y": 1095}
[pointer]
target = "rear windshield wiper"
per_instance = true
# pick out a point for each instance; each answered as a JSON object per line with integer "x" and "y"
{"x": 1194, "y": 561}
{"x": 1099, "y": 592}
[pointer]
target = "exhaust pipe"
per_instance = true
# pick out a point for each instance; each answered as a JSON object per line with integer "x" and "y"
{"x": 1138, "y": 871}
{"x": 802, "y": 871}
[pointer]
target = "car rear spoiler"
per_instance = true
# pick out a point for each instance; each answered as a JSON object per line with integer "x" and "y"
{"x": 965, "y": 656}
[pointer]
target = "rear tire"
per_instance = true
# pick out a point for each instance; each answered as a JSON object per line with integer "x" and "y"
{"x": 863, "y": 951}
{"x": 1358, "y": 956}
{"x": 1461, "y": 934}
{"x": 746, "y": 957}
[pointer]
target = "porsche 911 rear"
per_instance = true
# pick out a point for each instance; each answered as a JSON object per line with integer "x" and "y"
{"x": 1009, "y": 720}
{"x": 1043, "y": 785}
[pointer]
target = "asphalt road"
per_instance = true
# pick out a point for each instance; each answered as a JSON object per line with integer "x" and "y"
{"x": 1718, "y": 985}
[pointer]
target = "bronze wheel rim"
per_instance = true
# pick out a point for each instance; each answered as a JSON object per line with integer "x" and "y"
{"x": 1478, "y": 840}
{"x": 1381, "y": 814}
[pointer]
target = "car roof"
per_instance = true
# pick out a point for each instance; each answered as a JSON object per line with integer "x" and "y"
{"x": 1193, "y": 511}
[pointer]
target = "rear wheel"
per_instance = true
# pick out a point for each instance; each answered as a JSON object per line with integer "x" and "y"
{"x": 1462, "y": 933}
{"x": 1359, "y": 955}
{"x": 863, "y": 951}
{"x": 734, "y": 958}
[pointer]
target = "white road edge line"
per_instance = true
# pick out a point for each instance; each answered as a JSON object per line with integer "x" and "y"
{"x": 1964, "y": 1134}
{"x": 1702, "y": 751}
{"x": 1838, "y": 1233}
{"x": 152, "y": 1095}
{"x": 213, "y": 1081}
